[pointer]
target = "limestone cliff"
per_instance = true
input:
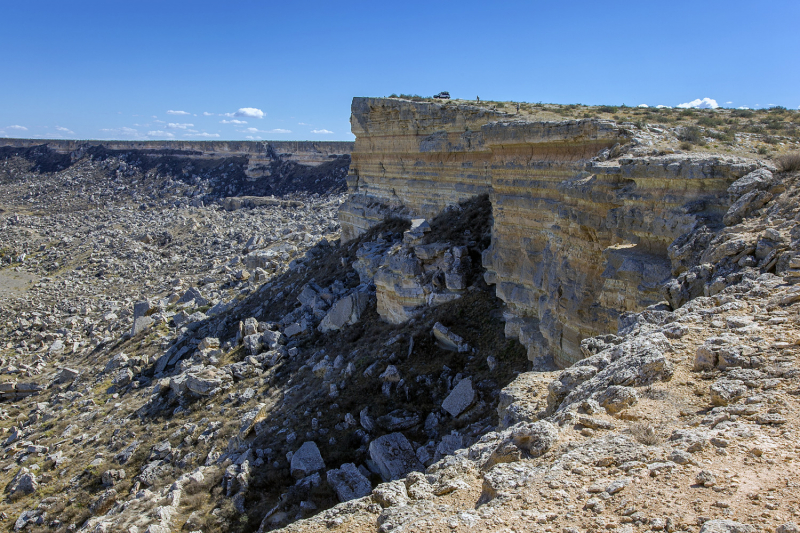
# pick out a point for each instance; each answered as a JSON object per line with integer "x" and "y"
{"x": 585, "y": 228}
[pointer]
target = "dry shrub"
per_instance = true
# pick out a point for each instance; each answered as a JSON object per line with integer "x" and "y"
{"x": 645, "y": 433}
{"x": 789, "y": 162}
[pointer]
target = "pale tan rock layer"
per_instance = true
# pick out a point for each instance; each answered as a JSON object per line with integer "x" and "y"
{"x": 576, "y": 241}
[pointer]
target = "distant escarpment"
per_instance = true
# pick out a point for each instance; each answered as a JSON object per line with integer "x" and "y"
{"x": 222, "y": 168}
{"x": 589, "y": 220}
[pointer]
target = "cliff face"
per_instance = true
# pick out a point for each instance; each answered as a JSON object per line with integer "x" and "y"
{"x": 580, "y": 233}
{"x": 309, "y": 153}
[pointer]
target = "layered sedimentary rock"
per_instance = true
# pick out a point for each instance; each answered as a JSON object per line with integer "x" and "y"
{"x": 259, "y": 153}
{"x": 578, "y": 238}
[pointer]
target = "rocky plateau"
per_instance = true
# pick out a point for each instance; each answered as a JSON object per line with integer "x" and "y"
{"x": 504, "y": 323}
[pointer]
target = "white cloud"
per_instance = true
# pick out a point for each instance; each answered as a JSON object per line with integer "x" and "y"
{"x": 663, "y": 106}
{"x": 302, "y": 124}
{"x": 642, "y": 105}
{"x": 203, "y": 135}
{"x": 207, "y": 114}
{"x": 743, "y": 107}
{"x": 17, "y": 127}
{"x": 159, "y": 133}
{"x": 705, "y": 103}
{"x": 321, "y": 131}
{"x": 728, "y": 102}
{"x": 256, "y": 130}
{"x": 177, "y": 126}
{"x": 172, "y": 112}
{"x": 251, "y": 112}
{"x": 253, "y": 138}
{"x": 233, "y": 121}
{"x": 65, "y": 130}
{"x": 123, "y": 132}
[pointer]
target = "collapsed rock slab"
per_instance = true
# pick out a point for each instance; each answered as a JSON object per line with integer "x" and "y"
{"x": 306, "y": 460}
{"x": 204, "y": 382}
{"x": 141, "y": 325}
{"x": 449, "y": 340}
{"x": 348, "y": 482}
{"x": 461, "y": 397}
{"x": 394, "y": 456}
{"x": 345, "y": 312}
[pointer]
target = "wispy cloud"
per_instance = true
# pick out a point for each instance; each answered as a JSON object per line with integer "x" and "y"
{"x": 642, "y": 105}
{"x": 251, "y": 112}
{"x": 207, "y": 114}
{"x": 123, "y": 132}
{"x": 302, "y": 124}
{"x": 256, "y": 130}
{"x": 65, "y": 130}
{"x": 177, "y": 126}
{"x": 173, "y": 112}
{"x": 203, "y": 135}
{"x": 705, "y": 103}
{"x": 16, "y": 127}
{"x": 233, "y": 121}
{"x": 160, "y": 133}
{"x": 326, "y": 132}
{"x": 256, "y": 138}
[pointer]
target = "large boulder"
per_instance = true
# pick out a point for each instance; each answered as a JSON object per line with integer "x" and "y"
{"x": 349, "y": 483}
{"x": 461, "y": 397}
{"x": 394, "y": 456}
{"x": 346, "y": 311}
{"x": 448, "y": 340}
{"x": 253, "y": 343}
{"x": 24, "y": 483}
{"x": 204, "y": 382}
{"x": 306, "y": 460}
{"x": 524, "y": 398}
{"x": 141, "y": 325}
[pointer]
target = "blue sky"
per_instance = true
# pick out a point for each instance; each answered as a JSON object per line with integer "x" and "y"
{"x": 114, "y": 69}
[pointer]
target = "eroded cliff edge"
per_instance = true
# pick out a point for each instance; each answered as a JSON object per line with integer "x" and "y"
{"x": 589, "y": 223}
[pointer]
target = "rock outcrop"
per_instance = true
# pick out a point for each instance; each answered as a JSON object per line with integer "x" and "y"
{"x": 577, "y": 238}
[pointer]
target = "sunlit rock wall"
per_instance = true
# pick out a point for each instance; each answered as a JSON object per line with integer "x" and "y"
{"x": 576, "y": 240}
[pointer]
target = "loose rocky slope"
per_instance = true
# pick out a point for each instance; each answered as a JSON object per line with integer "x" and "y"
{"x": 684, "y": 419}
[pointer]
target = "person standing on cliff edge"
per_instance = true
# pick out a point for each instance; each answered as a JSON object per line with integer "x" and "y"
{"x": 478, "y": 98}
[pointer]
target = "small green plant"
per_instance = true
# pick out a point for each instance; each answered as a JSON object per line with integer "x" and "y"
{"x": 607, "y": 109}
{"x": 762, "y": 150}
{"x": 692, "y": 134}
{"x": 709, "y": 121}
